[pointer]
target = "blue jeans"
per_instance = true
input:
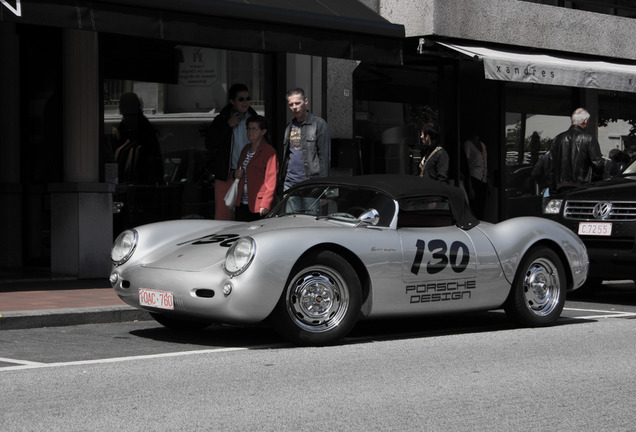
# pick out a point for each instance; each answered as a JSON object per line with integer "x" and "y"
{"x": 296, "y": 204}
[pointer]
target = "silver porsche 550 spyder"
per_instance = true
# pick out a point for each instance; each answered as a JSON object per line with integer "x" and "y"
{"x": 336, "y": 250}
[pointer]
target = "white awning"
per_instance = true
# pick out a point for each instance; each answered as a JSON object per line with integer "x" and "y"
{"x": 551, "y": 70}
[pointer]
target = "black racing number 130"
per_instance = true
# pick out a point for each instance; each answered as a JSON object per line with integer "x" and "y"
{"x": 225, "y": 240}
{"x": 440, "y": 256}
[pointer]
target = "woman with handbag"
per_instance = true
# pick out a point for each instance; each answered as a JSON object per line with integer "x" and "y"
{"x": 257, "y": 172}
{"x": 225, "y": 138}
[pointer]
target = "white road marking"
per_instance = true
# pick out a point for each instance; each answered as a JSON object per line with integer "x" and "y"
{"x": 34, "y": 365}
{"x": 604, "y": 313}
{"x": 22, "y": 362}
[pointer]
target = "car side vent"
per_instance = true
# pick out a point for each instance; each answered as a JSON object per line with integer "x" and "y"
{"x": 600, "y": 210}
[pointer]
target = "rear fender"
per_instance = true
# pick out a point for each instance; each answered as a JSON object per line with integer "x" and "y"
{"x": 512, "y": 238}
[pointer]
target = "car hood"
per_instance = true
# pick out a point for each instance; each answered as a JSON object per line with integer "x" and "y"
{"x": 618, "y": 189}
{"x": 207, "y": 248}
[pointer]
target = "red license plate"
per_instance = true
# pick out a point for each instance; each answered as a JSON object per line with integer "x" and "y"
{"x": 156, "y": 299}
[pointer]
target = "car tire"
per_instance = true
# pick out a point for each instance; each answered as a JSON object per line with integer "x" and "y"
{"x": 537, "y": 295}
{"x": 179, "y": 324}
{"x": 321, "y": 301}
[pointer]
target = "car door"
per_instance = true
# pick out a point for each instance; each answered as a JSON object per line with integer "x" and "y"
{"x": 444, "y": 267}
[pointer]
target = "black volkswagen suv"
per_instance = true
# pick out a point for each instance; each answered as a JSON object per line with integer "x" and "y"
{"x": 604, "y": 216}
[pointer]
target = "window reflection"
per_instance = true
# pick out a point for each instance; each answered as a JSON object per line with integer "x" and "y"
{"x": 180, "y": 106}
{"x": 617, "y": 122}
{"x": 536, "y": 114}
{"x": 528, "y": 137}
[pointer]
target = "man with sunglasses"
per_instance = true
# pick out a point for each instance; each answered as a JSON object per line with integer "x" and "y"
{"x": 225, "y": 138}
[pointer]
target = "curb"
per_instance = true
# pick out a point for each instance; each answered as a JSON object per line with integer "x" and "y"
{"x": 67, "y": 317}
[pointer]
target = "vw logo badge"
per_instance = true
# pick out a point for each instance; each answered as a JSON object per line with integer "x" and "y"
{"x": 602, "y": 210}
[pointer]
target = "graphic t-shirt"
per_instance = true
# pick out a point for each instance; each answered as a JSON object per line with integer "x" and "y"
{"x": 296, "y": 167}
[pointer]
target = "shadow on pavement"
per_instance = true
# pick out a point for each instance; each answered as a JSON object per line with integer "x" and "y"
{"x": 214, "y": 336}
{"x": 364, "y": 332}
{"x": 609, "y": 292}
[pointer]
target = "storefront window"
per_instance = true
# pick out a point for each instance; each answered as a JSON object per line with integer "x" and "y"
{"x": 617, "y": 122}
{"x": 535, "y": 115}
{"x": 180, "y": 101}
{"x": 391, "y": 104}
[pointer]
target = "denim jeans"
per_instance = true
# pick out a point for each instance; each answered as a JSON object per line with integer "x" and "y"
{"x": 298, "y": 204}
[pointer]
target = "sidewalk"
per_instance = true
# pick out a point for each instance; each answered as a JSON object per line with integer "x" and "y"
{"x": 51, "y": 302}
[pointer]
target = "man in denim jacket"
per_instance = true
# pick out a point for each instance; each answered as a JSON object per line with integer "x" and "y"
{"x": 307, "y": 145}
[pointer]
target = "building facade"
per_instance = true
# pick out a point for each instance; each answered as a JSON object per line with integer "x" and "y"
{"x": 65, "y": 66}
{"x": 510, "y": 71}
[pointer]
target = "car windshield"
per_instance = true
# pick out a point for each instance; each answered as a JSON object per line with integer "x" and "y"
{"x": 344, "y": 203}
{"x": 630, "y": 170}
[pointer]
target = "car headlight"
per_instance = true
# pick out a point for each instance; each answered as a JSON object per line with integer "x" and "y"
{"x": 553, "y": 206}
{"x": 124, "y": 247}
{"x": 240, "y": 255}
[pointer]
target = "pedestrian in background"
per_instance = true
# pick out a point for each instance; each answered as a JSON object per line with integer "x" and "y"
{"x": 477, "y": 176}
{"x": 434, "y": 162}
{"x": 257, "y": 171}
{"x": 576, "y": 157}
{"x": 306, "y": 149}
{"x": 137, "y": 149}
{"x": 225, "y": 139}
{"x": 618, "y": 160}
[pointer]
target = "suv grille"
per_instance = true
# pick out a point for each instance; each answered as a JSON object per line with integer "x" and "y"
{"x": 585, "y": 210}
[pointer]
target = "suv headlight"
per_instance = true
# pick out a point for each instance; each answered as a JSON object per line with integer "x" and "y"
{"x": 124, "y": 247}
{"x": 240, "y": 255}
{"x": 553, "y": 206}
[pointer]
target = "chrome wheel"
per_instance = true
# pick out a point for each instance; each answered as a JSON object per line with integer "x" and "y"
{"x": 321, "y": 301}
{"x": 541, "y": 287}
{"x": 318, "y": 299}
{"x": 537, "y": 295}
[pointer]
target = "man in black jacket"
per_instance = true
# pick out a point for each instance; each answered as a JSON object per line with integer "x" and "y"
{"x": 225, "y": 138}
{"x": 576, "y": 155}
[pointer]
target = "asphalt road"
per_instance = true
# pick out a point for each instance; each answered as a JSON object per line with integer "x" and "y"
{"x": 466, "y": 373}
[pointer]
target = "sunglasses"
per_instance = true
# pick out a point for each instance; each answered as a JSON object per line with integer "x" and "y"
{"x": 242, "y": 99}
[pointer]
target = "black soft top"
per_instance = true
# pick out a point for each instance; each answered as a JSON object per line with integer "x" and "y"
{"x": 399, "y": 187}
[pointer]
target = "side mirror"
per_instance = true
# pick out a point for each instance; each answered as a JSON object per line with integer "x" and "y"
{"x": 370, "y": 217}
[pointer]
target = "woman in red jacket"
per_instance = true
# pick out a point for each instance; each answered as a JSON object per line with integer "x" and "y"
{"x": 257, "y": 171}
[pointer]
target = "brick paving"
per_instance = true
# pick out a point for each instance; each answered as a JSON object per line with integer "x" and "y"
{"x": 56, "y": 294}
